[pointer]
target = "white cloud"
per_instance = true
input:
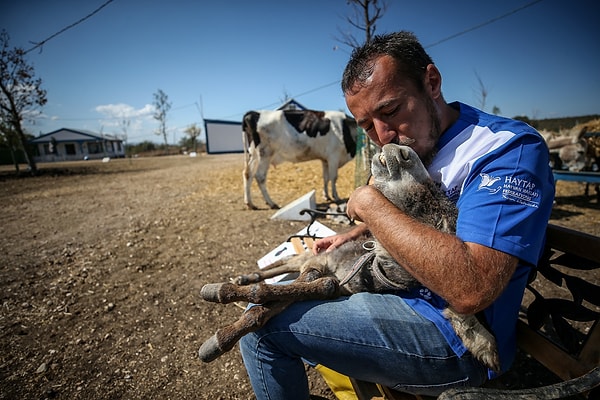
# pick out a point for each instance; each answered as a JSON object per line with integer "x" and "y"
{"x": 115, "y": 114}
{"x": 124, "y": 111}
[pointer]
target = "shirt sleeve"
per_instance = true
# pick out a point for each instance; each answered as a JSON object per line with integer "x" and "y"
{"x": 507, "y": 197}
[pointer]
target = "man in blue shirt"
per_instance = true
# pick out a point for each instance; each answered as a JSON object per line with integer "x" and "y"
{"x": 496, "y": 169}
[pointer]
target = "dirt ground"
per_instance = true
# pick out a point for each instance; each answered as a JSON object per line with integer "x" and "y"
{"x": 101, "y": 266}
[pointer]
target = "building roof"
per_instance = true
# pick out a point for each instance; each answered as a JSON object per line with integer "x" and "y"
{"x": 291, "y": 104}
{"x": 72, "y": 135}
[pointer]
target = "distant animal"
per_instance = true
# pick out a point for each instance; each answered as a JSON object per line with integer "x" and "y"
{"x": 569, "y": 151}
{"x": 575, "y": 151}
{"x": 274, "y": 137}
{"x": 356, "y": 266}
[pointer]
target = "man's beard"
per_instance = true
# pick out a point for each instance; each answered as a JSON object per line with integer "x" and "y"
{"x": 434, "y": 133}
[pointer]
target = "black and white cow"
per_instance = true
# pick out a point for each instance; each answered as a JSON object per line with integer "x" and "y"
{"x": 274, "y": 137}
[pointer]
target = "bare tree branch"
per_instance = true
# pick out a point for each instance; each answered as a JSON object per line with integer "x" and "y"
{"x": 364, "y": 15}
{"x": 20, "y": 95}
{"x": 161, "y": 107}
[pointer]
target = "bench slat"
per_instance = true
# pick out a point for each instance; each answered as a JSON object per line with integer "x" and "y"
{"x": 590, "y": 353}
{"x": 548, "y": 354}
{"x": 573, "y": 242}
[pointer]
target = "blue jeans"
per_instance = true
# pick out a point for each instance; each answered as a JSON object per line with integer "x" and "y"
{"x": 371, "y": 337}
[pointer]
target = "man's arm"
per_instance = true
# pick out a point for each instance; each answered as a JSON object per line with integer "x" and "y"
{"x": 467, "y": 275}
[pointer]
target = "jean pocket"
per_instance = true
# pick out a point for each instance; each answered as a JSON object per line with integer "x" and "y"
{"x": 435, "y": 389}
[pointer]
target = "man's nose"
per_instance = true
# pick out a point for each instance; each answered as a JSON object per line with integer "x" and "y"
{"x": 385, "y": 133}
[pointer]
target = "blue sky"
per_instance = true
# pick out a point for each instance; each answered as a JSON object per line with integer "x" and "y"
{"x": 218, "y": 60}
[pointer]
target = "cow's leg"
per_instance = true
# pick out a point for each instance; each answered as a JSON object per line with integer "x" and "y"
{"x": 325, "y": 171}
{"x": 248, "y": 175}
{"x": 332, "y": 173}
{"x": 251, "y": 320}
{"x": 261, "y": 180}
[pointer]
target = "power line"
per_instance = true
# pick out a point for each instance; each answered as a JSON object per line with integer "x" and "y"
{"x": 516, "y": 10}
{"x": 483, "y": 24}
{"x": 296, "y": 96}
{"x": 40, "y": 44}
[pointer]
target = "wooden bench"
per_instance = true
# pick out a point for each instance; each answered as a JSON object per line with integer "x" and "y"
{"x": 558, "y": 327}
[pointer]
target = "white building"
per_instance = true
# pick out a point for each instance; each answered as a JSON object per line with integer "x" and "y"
{"x": 69, "y": 144}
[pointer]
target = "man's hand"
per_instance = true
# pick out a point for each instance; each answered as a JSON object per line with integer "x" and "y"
{"x": 359, "y": 201}
{"x": 331, "y": 242}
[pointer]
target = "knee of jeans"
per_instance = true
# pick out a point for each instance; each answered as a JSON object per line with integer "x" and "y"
{"x": 245, "y": 341}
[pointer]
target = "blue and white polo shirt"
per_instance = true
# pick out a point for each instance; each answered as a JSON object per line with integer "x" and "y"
{"x": 497, "y": 171}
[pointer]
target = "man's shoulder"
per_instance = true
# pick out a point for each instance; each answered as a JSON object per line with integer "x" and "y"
{"x": 474, "y": 117}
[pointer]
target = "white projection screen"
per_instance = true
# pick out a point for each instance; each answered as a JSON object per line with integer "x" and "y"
{"x": 223, "y": 136}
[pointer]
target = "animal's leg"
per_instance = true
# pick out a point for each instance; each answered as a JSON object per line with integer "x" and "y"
{"x": 587, "y": 189}
{"x": 286, "y": 265}
{"x": 254, "y": 318}
{"x": 251, "y": 320}
{"x": 325, "y": 172}
{"x": 332, "y": 174}
{"x": 476, "y": 338}
{"x": 333, "y": 180}
{"x": 261, "y": 179}
{"x": 248, "y": 175}
{"x": 322, "y": 288}
{"x": 270, "y": 272}
{"x": 596, "y": 189}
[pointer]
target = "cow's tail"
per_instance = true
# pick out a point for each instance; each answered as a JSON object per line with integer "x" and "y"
{"x": 249, "y": 134}
{"x": 245, "y": 142}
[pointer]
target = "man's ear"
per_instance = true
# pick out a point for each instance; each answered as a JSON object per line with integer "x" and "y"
{"x": 433, "y": 81}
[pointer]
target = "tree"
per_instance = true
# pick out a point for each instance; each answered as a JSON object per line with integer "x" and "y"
{"x": 193, "y": 131}
{"x": 365, "y": 14}
{"x": 162, "y": 106}
{"x": 8, "y": 139}
{"x": 482, "y": 92}
{"x": 124, "y": 124}
{"x": 20, "y": 95}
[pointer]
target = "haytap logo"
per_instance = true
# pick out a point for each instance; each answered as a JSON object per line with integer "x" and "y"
{"x": 487, "y": 181}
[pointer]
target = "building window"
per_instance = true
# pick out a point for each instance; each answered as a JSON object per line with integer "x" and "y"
{"x": 70, "y": 149}
{"x": 95, "y": 147}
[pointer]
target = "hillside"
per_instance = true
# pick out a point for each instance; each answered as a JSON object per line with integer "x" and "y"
{"x": 558, "y": 124}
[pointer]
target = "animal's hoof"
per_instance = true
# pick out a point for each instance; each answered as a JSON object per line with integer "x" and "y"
{"x": 491, "y": 359}
{"x": 210, "y": 351}
{"x": 487, "y": 353}
{"x": 211, "y": 292}
{"x": 243, "y": 280}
